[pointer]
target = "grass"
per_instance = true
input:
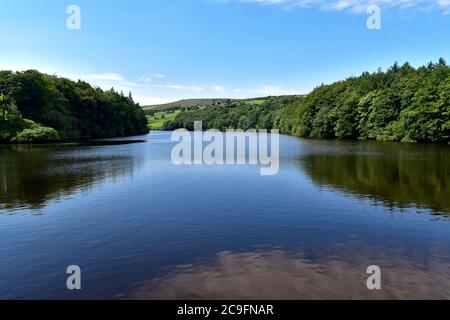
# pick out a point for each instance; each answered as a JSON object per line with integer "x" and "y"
{"x": 186, "y": 103}
{"x": 157, "y": 121}
{"x": 160, "y": 116}
{"x": 255, "y": 102}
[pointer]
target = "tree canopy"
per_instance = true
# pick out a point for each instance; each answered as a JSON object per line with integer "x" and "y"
{"x": 75, "y": 110}
{"x": 400, "y": 104}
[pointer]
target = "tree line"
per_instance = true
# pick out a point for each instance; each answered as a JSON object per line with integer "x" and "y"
{"x": 35, "y": 106}
{"x": 232, "y": 114}
{"x": 402, "y": 103}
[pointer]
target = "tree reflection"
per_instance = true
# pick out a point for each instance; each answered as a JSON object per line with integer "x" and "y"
{"x": 31, "y": 176}
{"x": 399, "y": 175}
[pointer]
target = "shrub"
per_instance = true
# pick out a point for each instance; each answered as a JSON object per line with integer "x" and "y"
{"x": 37, "y": 134}
{"x": 10, "y": 129}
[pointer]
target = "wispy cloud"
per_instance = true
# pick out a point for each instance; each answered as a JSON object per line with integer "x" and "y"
{"x": 269, "y": 90}
{"x": 106, "y": 80}
{"x": 146, "y": 90}
{"x": 104, "y": 77}
{"x": 251, "y": 92}
{"x": 151, "y": 100}
{"x": 180, "y": 87}
{"x": 355, "y": 5}
{"x": 150, "y": 77}
{"x": 218, "y": 89}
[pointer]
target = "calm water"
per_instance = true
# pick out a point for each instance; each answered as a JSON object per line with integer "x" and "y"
{"x": 140, "y": 227}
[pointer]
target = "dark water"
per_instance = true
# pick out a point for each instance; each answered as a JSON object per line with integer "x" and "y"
{"x": 140, "y": 227}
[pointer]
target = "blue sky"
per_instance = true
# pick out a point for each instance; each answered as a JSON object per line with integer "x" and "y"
{"x": 164, "y": 50}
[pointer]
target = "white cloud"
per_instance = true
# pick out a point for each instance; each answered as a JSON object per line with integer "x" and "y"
{"x": 147, "y": 78}
{"x": 142, "y": 92}
{"x": 356, "y": 5}
{"x": 270, "y": 90}
{"x": 148, "y": 100}
{"x": 151, "y": 93}
{"x": 106, "y": 81}
{"x": 104, "y": 77}
{"x": 218, "y": 89}
{"x": 445, "y": 4}
{"x": 180, "y": 87}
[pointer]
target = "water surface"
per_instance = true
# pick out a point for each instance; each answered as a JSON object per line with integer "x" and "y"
{"x": 142, "y": 228}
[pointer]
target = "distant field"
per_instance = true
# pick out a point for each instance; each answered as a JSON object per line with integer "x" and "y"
{"x": 183, "y": 104}
{"x": 187, "y": 103}
{"x": 256, "y": 102}
{"x": 158, "y": 115}
{"x": 157, "y": 121}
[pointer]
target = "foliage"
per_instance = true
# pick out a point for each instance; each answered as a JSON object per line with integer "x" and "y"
{"x": 400, "y": 104}
{"x": 232, "y": 114}
{"x": 74, "y": 109}
{"x": 26, "y": 131}
{"x": 37, "y": 134}
{"x": 183, "y": 104}
{"x": 157, "y": 120}
{"x": 10, "y": 129}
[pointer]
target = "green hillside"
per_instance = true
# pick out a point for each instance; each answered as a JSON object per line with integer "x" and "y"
{"x": 186, "y": 103}
{"x": 402, "y": 103}
{"x": 36, "y": 107}
{"x": 158, "y": 120}
{"x": 201, "y": 103}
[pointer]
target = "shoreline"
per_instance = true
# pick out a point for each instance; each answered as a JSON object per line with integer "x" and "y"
{"x": 331, "y": 139}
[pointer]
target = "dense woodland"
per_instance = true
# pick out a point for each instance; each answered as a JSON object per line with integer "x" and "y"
{"x": 401, "y": 104}
{"x": 36, "y": 107}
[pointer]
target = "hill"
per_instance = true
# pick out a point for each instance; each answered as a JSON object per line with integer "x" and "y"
{"x": 185, "y": 103}
{"x": 402, "y": 103}
{"x": 197, "y": 103}
{"x": 35, "y": 107}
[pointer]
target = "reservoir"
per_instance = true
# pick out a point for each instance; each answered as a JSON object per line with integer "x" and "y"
{"x": 140, "y": 227}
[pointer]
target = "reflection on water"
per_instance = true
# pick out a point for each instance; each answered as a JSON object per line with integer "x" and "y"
{"x": 280, "y": 275}
{"x": 31, "y": 176}
{"x": 399, "y": 175}
{"x": 127, "y": 216}
{"x": 99, "y": 143}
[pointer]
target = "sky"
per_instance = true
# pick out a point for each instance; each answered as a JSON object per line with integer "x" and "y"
{"x": 166, "y": 50}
